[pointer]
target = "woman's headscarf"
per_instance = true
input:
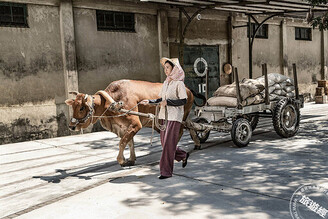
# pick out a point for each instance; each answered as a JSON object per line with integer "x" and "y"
{"x": 177, "y": 73}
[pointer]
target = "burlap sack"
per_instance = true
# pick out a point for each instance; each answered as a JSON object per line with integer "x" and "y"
{"x": 262, "y": 81}
{"x": 274, "y": 78}
{"x": 290, "y": 95}
{"x": 273, "y": 97}
{"x": 290, "y": 82}
{"x": 252, "y": 91}
{"x": 253, "y": 100}
{"x": 277, "y": 86}
{"x": 232, "y": 101}
{"x": 277, "y": 78}
{"x": 253, "y": 82}
{"x": 271, "y": 89}
{"x": 246, "y": 90}
{"x": 289, "y": 88}
{"x": 222, "y": 101}
{"x": 280, "y": 92}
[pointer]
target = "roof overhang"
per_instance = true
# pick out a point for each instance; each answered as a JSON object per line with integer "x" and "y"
{"x": 248, "y": 6}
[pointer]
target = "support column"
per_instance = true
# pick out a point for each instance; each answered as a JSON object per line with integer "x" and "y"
{"x": 324, "y": 55}
{"x": 250, "y": 49}
{"x": 230, "y": 44}
{"x": 283, "y": 48}
{"x": 163, "y": 38}
{"x": 68, "y": 47}
{"x": 181, "y": 37}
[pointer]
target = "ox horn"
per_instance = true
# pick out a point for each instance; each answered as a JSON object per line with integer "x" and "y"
{"x": 108, "y": 98}
{"x": 73, "y": 92}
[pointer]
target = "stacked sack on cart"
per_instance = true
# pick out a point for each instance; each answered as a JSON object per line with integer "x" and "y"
{"x": 252, "y": 91}
{"x": 280, "y": 86}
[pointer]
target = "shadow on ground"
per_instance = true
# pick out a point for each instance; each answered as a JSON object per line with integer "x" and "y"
{"x": 261, "y": 177}
{"x": 257, "y": 179}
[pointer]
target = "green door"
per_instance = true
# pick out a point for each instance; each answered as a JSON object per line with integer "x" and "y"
{"x": 199, "y": 61}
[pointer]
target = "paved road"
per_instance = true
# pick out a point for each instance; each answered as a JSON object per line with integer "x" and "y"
{"x": 78, "y": 176}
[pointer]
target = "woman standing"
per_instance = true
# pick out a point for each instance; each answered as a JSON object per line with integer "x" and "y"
{"x": 174, "y": 96}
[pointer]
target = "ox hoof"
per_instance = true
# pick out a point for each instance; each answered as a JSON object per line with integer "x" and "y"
{"x": 128, "y": 163}
{"x": 197, "y": 147}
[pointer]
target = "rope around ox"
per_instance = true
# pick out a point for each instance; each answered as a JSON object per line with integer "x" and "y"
{"x": 113, "y": 107}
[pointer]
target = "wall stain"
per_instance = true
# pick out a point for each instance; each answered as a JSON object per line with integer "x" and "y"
{"x": 22, "y": 130}
{"x": 84, "y": 65}
{"x": 19, "y": 69}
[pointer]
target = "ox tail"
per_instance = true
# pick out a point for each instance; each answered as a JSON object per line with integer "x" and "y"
{"x": 200, "y": 96}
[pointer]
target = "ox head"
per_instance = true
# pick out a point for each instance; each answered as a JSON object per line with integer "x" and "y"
{"x": 83, "y": 109}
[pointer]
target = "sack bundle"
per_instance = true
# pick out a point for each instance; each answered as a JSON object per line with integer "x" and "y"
{"x": 280, "y": 86}
{"x": 252, "y": 91}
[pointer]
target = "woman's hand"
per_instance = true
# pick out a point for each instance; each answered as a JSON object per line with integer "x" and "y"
{"x": 163, "y": 103}
{"x": 144, "y": 102}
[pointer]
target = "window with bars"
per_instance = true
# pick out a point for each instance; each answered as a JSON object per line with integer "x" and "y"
{"x": 302, "y": 33}
{"x": 115, "y": 21}
{"x": 261, "y": 33}
{"x": 13, "y": 15}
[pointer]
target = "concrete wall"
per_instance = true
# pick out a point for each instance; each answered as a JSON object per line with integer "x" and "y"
{"x": 31, "y": 58}
{"x": 32, "y": 87}
{"x": 210, "y": 30}
{"x": 104, "y": 56}
{"x": 306, "y": 54}
{"x": 35, "y": 79}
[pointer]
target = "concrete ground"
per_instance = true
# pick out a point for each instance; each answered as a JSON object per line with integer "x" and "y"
{"x": 78, "y": 176}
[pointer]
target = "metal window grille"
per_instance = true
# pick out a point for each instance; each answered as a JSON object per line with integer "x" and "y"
{"x": 13, "y": 15}
{"x": 262, "y": 33}
{"x": 115, "y": 21}
{"x": 302, "y": 33}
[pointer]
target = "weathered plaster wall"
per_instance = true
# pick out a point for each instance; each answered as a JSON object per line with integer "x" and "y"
{"x": 105, "y": 56}
{"x": 31, "y": 58}
{"x": 31, "y": 121}
{"x": 307, "y": 56}
{"x": 31, "y": 77}
{"x": 264, "y": 50}
{"x": 210, "y": 30}
{"x": 31, "y": 63}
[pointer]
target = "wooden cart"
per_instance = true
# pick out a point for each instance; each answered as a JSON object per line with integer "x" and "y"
{"x": 241, "y": 121}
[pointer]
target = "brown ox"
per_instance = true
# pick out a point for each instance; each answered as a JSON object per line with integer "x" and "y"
{"x": 130, "y": 93}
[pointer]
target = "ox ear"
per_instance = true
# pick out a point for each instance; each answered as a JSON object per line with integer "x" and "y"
{"x": 69, "y": 102}
{"x": 107, "y": 97}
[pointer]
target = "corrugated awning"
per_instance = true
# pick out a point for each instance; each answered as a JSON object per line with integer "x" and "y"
{"x": 247, "y": 6}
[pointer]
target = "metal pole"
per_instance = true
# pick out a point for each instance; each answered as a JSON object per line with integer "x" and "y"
{"x": 251, "y": 39}
{"x": 229, "y": 32}
{"x": 250, "y": 48}
{"x": 181, "y": 38}
{"x": 206, "y": 85}
{"x": 265, "y": 72}
{"x": 295, "y": 81}
{"x": 237, "y": 89}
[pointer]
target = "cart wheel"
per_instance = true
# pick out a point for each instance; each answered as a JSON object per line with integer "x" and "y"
{"x": 241, "y": 132}
{"x": 286, "y": 118}
{"x": 253, "y": 120}
{"x": 202, "y": 135}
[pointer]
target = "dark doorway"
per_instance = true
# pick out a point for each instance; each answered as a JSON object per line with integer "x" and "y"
{"x": 197, "y": 61}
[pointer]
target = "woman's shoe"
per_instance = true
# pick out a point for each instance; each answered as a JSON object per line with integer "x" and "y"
{"x": 184, "y": 162}
{"x": 163, "y": 177}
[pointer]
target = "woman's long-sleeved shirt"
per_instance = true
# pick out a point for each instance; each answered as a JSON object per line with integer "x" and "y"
{"x": 176, "y": 96}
